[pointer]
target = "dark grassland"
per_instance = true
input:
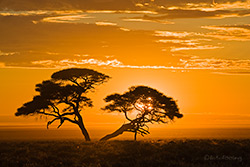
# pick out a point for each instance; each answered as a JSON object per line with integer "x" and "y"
{"x": 76, "y": 153}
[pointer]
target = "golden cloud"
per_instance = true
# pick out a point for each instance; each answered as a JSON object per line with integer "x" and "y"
{"x": 39, "y": 12}
{"x": 215, "y": 63}
{"x": 101, "y": 23}
{"x": 189, "y": 63}
{"x": 202, "y": 47}
{"x": 7, "y": 53}
{"x": 66, "y": 19}
{"x": 173, "y": 34}
{"x": 229, "y": 32}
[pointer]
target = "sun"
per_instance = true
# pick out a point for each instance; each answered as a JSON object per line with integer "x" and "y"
{"x": 144, "y": 105}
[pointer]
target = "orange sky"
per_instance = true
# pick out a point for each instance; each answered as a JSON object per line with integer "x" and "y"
{"x": 197, "y": 53}
{"x": 208, "y": 99}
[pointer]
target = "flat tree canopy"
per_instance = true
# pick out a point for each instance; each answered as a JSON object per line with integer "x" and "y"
{"x": 64, "y": 96}
{"x": 149, "y": 106}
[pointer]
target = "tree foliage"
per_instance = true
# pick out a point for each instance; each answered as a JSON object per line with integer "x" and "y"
{"x": 149, "y": 105}
{"x": 64, "y": 96}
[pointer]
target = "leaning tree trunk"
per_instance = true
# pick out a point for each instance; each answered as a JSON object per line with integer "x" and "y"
{"x": 135, "y": 135}
{"x": 118, "y": 132}
{"x": 83, "y": 129}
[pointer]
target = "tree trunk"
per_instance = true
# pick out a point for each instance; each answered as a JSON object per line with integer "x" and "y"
{"x": 83, "y": 129}
{"x": 135, "y": 135}
{"x": 118, "y": 132}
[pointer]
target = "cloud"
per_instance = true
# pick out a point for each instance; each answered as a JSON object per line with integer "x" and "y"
{"x": 182, "y": 13}
{"x": 7, "y": 53}
{"x": 97, "y": 17}
{"x": 124, "y": 29}
{"x": 196, "y": 9}
{"x": 121, "y": 12}
{"x": 66, "y": 19}
{"x": 66, "y": 4}
{"x": 73, "y": 63}
{"x": 215, "y": 63}
{"x": 173, "y": 34}
{"x": 171, "y": 9}
{"x": 213, "y": 6}
{"x": 233, "y": 73}
{"x": 78, "y": 63}
{"x": 184, "y": 42}
{"x": 188, "y": 63}
{"x": 140, "y": 19}
{"x": 101, "y": 23}
{"x": 202, "y": 47}
{"x": 229, "y": 32}
{"x": 133, "y": 47}
{"x": 39, "y": 12}
{"x": 49, "y": 44}
{"x": 178, "y": 41}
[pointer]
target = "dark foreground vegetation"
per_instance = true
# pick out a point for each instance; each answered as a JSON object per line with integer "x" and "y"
{"x": 76, "y": 153}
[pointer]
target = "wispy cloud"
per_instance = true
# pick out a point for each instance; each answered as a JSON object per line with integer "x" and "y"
{"x": 129, "y": 48}
{"x": 131, "y": 6}
{"x": 73, "y": 63}
{"x": 233, "y": 73}
{"x": 121, "y": 11}
{"x": 173, "y": 34}
{"x": 148, "y": 20}
{"x": 215, "y": 63}
{"x": 190, "y": 63}
{"x": 66, "y": 19}
{"x": 203, "y": 47}
{"x": 185, "y": 41}
{"x": 229, "y": 32}
{"x": 77, "y": 63}
{"x": 189, "y": 42}
{"x": 67, "y": 5}
{"x": 108, "y": 63}
{"x": 196, "y": 9}
{"x": 39, "y": 12}
{"x": 213, "y": 5}
{"x": 7, "y": 53}
{"x": 124, "y": 29}
{"x": 102, "y": 23}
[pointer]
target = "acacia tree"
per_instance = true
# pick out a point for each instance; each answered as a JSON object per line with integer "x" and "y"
{"x": 64, "y": 96}
{"x": 148, "y": 104}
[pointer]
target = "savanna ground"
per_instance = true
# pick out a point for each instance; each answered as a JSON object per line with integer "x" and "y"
{"x": 148, "y": 153}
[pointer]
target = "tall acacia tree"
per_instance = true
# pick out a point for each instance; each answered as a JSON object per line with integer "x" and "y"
{"x": 64, "y": 96}
{"x": 148, "y": 105}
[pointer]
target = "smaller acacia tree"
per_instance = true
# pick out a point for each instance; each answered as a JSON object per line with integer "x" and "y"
{"x": 64, "y": 96}
{"x": 149, "y": 106}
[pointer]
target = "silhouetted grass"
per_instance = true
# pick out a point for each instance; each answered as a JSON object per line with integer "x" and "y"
{"x": 76, "y": 153}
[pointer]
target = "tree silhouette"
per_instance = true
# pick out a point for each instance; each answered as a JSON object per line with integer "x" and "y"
{"x": 148, "y": 104}
{"x": 64, "y": 96}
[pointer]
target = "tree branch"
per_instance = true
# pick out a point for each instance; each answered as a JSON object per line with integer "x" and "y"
{"x": 123, "y": 128}
{"x": 70, "y": 120}
{"x": 64, "y": 114}
{"x": 50, "y": 122}
{"x": 126, "y": 115}
{"x": 49, "y": 114}
{"x": 62, "y": 119}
